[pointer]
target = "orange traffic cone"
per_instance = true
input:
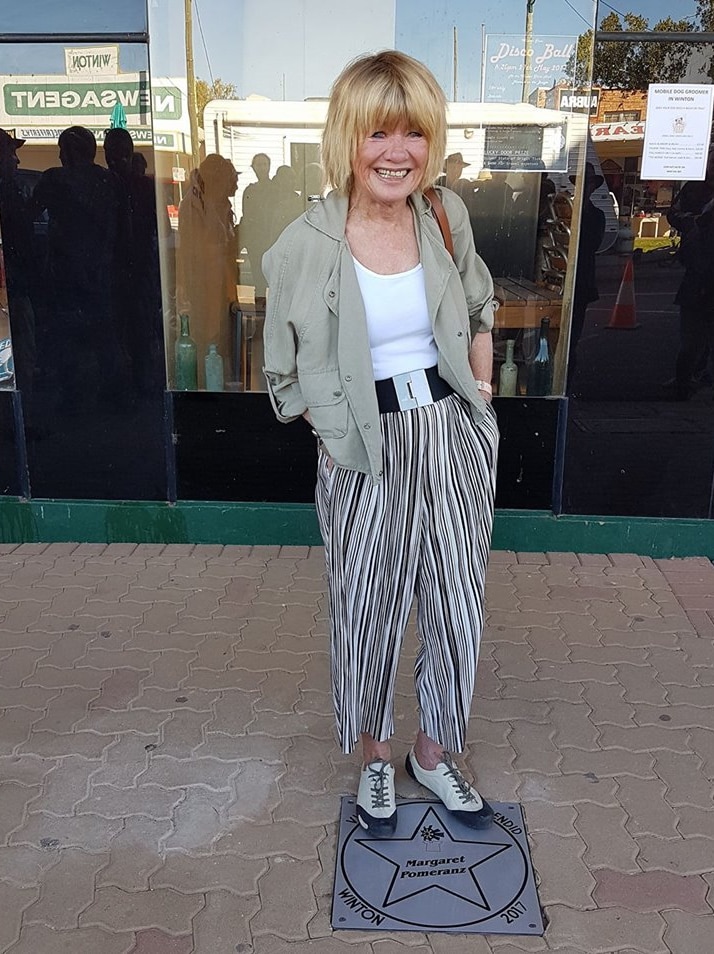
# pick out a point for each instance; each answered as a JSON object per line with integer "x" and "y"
{"x": 624, "y": 315}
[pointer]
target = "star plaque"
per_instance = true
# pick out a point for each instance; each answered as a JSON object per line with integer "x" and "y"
{"x": 435, "y": 874}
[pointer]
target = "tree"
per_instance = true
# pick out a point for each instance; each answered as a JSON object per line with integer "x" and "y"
{"x": 205, "y": 92}
{"x": 633, "y": 65}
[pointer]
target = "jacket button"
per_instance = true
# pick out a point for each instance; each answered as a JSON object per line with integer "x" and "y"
{"x": 337, "y": 393}
{"x": 459, "y": 334}
{"x": 331, "y": 294}
{"x": 380, "y": 473}
{"x": 367, "y": 426}
{"x": 348, "y": 377}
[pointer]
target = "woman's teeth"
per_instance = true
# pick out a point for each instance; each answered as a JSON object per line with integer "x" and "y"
{"x": 392, "y": 173}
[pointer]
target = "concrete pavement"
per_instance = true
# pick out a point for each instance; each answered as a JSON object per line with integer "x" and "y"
{"x": 169, "y": 781}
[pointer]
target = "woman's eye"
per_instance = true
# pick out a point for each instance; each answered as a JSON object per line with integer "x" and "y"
{"x": 415, "y": 134}
{"x": 379, "y": 134}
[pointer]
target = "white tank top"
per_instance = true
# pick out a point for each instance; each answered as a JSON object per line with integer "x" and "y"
{"x": 400, "y": 333}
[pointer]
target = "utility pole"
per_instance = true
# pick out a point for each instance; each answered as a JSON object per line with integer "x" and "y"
{"x": 528, "y": 47}
{"x": 456, "y": 64}
{"x": 191, "y": 83}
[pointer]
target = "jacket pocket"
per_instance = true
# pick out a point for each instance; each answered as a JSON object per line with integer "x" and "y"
{"x": 326, "y": 401}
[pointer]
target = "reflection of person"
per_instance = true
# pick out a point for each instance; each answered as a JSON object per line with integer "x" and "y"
{"x": 592, "y": 231}
{"x": 256, "y": 233}
{"x": 88, "y": 235}
{"x": 491, "y": 212}
{"x": 138, "y": 295}
{"x": 18, "y": 258}
{"x": 287, "y": 203}
{"x": 691, "y": 214}
{"x": 369, "y": 338}
{"x": 206, "y": 262}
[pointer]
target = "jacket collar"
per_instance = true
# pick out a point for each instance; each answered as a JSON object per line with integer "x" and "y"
{"x": 330, "y": 214}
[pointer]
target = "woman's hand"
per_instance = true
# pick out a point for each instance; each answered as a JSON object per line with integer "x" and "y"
{"x": 320, "y": 446}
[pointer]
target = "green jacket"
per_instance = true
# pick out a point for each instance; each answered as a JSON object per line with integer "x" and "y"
{"x": 317, "y": 355}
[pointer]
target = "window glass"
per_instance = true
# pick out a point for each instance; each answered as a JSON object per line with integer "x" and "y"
{"x": 80, "y": 276}
{"x": 244, "y": 159}
{"x": 73, "y": 16}
{"x": 656, "y": 15}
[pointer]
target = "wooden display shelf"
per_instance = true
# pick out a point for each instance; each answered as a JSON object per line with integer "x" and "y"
{"x": 522, "y": 304}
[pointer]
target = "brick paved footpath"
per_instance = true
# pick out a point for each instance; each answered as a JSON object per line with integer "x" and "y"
{"x": 169, "y": 780}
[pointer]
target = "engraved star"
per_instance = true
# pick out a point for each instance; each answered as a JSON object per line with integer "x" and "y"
{"x": 459, "y": 879}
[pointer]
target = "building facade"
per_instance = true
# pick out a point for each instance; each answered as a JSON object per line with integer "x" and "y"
{"x": 122, "y": 268}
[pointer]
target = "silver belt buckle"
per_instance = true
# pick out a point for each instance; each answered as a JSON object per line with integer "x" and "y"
{"x": 412, "y": 389}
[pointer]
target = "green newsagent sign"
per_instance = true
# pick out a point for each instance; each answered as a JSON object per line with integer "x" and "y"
{"x": 88, "y": 99}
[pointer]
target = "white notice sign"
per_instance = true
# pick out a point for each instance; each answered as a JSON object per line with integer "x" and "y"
{"x": 677, "y": 131}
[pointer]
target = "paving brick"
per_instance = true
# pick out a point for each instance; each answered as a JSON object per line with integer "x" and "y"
{"x": 199, "y": 820}
{"x": 606, "y": 930}
{"x": 686, "y": 933}
{"x": 644, "y": 738}
{"x": 39, "y": 937}
{"x": 90, "y": 833}
{"x": 223, "y": 926}
{"x": 111, "y": 802}
{"x": 18, "y": 665}
{"x": 534, "y": 748}
{"x": 110, "y": 722}
{"x": 608, "y": 706}
{"x": 164, "y": 700}
{"x": 676, "y": 716}
{"x": 648, "y": 811}
{"x": 66, "y": 709}
{"x": 609, "y": 844}
{"x": 23, "y": 866}
{"x": 135, "y": 853}
{"x": 158, "y": 942}
{"x": 15, "y": 727}
{"x": 67, "y": 889}
{"x": 547, "y": 644}
{"x": 183, "y": 733}
{"x": 67, "y": 649}
{"x": 14, "y": 799}
{"x": 191, "y": 875}
{"x": 265, "y": 841}
{"x": 26, "y": 769}
{"x": 684, "y": 856}
{"x": 563, "y": 877}
{"x": 695, "y": 821}
{"x": 543, "y": 690}
{"x": 608, "y": 763}
{"x": 65, "y": 785}
{"x": 124, "y": 760}
{"x": 178, "y": 773}
{"x": 567, "y": 789}
{"x": 83, "y": 676}
{"x": 287, "y": 900}
{"x": 544, "y": 816}
{"x": 112, "y": 909}
{"x": 686, "y": 783}
{"x": 651, "y": 891}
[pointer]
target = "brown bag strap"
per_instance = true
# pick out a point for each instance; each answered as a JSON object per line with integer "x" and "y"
{"x": 442, "y": 219}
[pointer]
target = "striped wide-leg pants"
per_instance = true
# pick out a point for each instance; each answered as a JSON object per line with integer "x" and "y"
{"x": 425, "y": 530}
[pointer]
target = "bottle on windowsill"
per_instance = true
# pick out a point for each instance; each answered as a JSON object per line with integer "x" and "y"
{"x": 540, "y": 373}
{"x": 214, "y": 369}
{"x": 508, "y": 378}
{"x": 186, "y": 359}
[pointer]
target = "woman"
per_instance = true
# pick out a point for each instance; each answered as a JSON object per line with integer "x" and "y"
{"x": 382, "y": 343}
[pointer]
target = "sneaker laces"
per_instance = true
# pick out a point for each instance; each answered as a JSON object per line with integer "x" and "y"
{"x": 379, "y": 783}
{"x": 463, "y": 788}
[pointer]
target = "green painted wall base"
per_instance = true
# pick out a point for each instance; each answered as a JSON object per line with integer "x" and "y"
{"x": 101, "y": 521}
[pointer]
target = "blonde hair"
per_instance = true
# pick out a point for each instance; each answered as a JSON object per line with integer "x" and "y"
{"x": 384, "y": 91}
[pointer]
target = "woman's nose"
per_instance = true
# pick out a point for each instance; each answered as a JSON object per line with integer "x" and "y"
{"x": 397, "y": 147}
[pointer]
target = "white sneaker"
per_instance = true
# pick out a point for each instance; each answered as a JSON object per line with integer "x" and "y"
{"x": 376, "y": 799}
{"x": 448, "y": 784}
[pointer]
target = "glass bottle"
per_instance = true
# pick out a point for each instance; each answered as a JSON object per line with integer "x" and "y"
{"x": 540, "y": 373}
{"x": 508, "y": 378}
{"x": 214, "y": 369}
{"x": 186, "y": 359}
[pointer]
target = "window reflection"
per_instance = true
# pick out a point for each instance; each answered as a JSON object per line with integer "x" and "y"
{"x": 73, "y": 16}
{"x": 79, "y": 232}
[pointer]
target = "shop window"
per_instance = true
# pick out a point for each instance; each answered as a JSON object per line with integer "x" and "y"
{"x": 244, "y": 161}
{"x": 80, "y": 292}
{"x": 624, "y": 116}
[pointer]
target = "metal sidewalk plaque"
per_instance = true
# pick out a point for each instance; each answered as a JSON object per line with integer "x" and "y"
{"x": 435, "y": 874}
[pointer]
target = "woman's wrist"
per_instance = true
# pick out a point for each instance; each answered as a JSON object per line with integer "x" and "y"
{"x": 484, "y": 387}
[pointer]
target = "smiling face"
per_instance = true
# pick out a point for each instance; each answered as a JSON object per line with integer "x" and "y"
{"x": 389, "y": 166}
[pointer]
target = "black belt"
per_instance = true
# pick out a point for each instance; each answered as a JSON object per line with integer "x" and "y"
{"x": 412, "y": 389}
